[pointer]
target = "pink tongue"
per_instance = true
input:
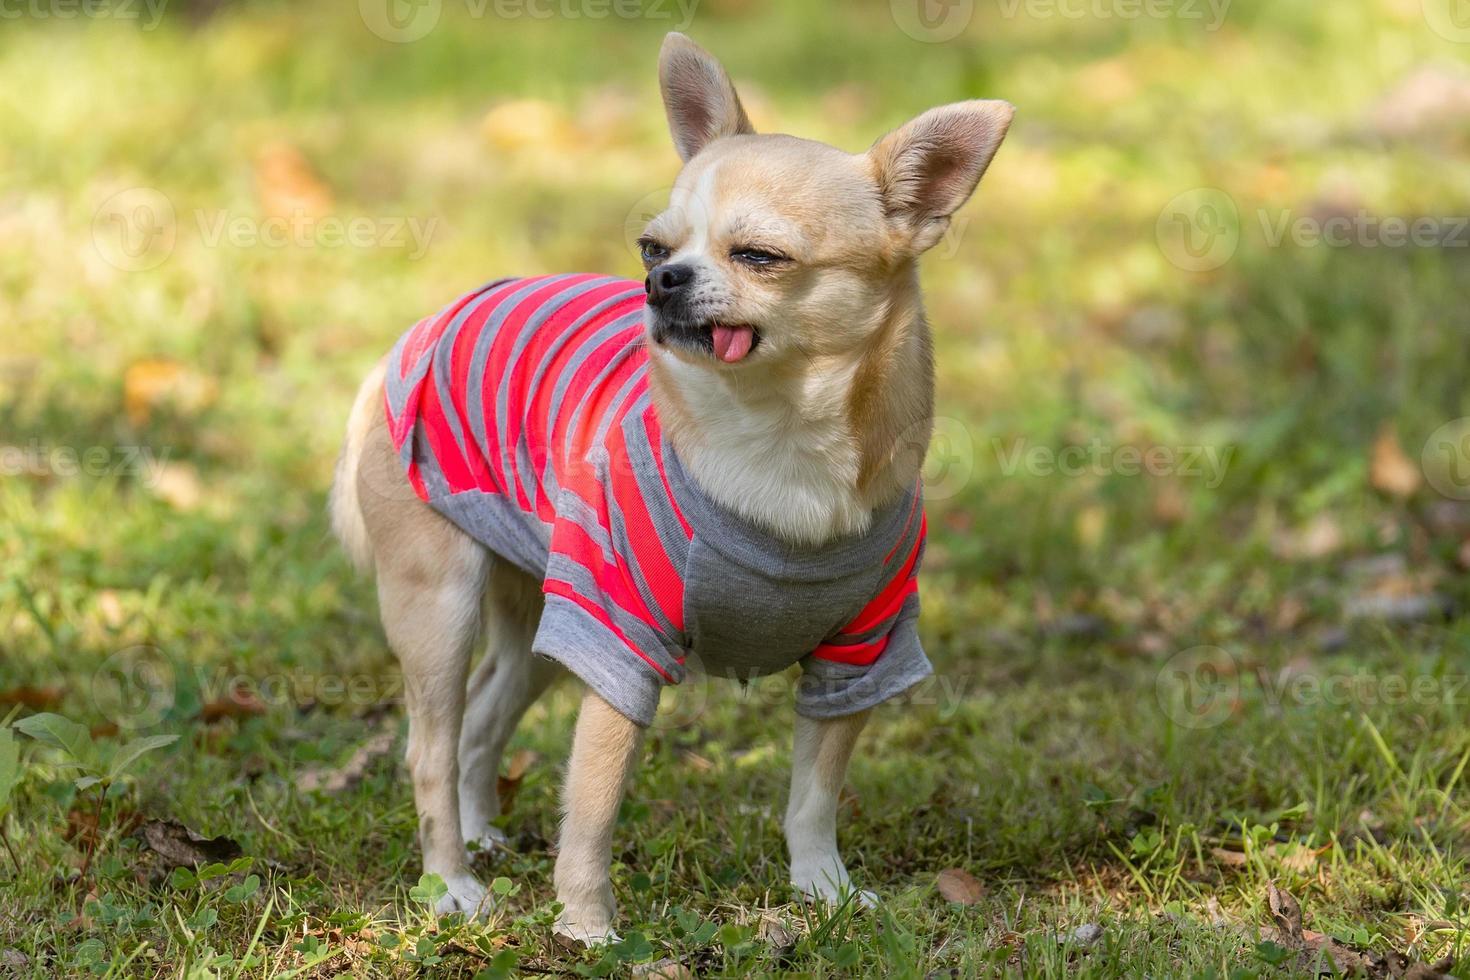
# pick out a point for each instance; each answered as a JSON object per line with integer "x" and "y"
{"x": 733, "y": 343}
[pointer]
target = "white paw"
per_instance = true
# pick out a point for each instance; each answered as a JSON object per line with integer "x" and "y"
{"x": 465, "y": 895}
{"x": 588, "y": 931}
{"x": 831, "y": 886}
{"x": 490, "y": 838}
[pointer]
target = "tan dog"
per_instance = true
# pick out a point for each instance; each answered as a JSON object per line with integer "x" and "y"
{"x": 789, "y": 363}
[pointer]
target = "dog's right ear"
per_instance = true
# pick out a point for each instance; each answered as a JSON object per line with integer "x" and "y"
{"x": 699, "y": 97}
{"x": 928, "y": 167}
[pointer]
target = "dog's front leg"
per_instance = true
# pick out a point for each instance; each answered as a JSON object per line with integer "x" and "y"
{"x": 603, "y": 752}
{"x": 818, "y": 770}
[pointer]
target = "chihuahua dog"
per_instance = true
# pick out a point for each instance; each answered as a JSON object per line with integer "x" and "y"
{"x": 714, "y": 469}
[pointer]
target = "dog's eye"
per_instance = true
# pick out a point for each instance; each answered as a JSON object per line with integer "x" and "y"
{"x": 757, "y": 256}
{"x": 652, "y": 252}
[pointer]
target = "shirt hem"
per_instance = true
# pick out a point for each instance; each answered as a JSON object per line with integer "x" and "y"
{"x": 600, "y": 658}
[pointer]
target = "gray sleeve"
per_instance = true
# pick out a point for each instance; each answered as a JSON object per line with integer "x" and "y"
{"x": 603, "y": 661}
{"x": 828, "y": 689}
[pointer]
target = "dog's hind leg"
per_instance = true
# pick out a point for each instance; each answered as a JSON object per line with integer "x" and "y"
{"x": 431, "y": 581}
{"x": 507, "y": 681}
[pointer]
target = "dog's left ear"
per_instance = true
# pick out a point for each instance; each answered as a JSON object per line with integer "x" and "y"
{"x": 699, "y": 97}
{"x": 929, "y": 166}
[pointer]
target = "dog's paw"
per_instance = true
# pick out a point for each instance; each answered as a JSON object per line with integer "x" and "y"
{"x": 486, "y": 841}
{"x": 465, "y": 895}
{"x": 573, "y": 931}
{"x": 833, "y": 888}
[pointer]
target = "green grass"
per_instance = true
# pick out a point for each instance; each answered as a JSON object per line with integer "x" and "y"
{"x": 1057, "y": 766}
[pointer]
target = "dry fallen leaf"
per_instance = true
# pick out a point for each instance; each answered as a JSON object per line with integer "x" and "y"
{"x": 665, "y": 969}
{"x": 336, "y": 780}
{"x": 240, "y": 703}
{"x": 1289, "y": 614}
{"x": 1234, "y": 859}
{"x": 288, "y": 185}
{"x": 1317, "y": 953}
{"x": 508, "y": 785}
{"x": 775, "y": 934}
{"x": 181, "y": 847}
{"x": 1294, "y": 857}
{"x": 1170, "y": 505}
{"x": 34, "y": 698}
{"x": 111, "y": 608}
{"x": 81, "y": 829}
{"x": 149, "y": 384}
{"x": 1391, "y": 471}
{"x": 1320, "y": 538}
{"x": 696, "y": 761}
{"x": 528, "y": 124}
{"x": 959, "y": 886}
{"x": 178, "y": 485}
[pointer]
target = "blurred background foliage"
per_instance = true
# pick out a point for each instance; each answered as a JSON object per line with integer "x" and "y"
{"x": 522, "y": 145}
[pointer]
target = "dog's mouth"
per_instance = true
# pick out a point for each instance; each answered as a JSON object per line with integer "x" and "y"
{"x": 729, "y": 343}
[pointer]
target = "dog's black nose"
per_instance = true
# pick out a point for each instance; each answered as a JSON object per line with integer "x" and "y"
{"x": 666, "y": 280}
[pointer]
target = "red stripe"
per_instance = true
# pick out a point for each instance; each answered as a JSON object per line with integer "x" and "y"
{"x": 416, "y": 480}
{"x": 655, "y": 440}
{"x": 540, "y": 404}
{"x": 913, "y": 506}
{"x": 564, "y": 589}
{"x": 439, "y": 438}
{"x": 891, "y": 598}
{"x": 485, "y": 385}
{"x": 648, "y": 548}
{"x": 570, "y": 452}
{"x": 859, "y": 655}
{"x": 517, "y": 428}
{"x": 501, "y": 349}
{"x": 572, "y": 542}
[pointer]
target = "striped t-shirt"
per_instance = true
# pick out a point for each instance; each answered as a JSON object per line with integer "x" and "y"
{"x": 522, "y": 413}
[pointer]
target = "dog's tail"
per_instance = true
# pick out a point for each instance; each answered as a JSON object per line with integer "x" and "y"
{"x": 346, "y": 508}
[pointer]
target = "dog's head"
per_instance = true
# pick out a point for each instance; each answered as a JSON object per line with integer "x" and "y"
{"x": 775, "y": 248}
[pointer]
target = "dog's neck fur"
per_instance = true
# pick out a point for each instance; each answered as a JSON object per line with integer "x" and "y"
{"x": 809, "y": 450}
